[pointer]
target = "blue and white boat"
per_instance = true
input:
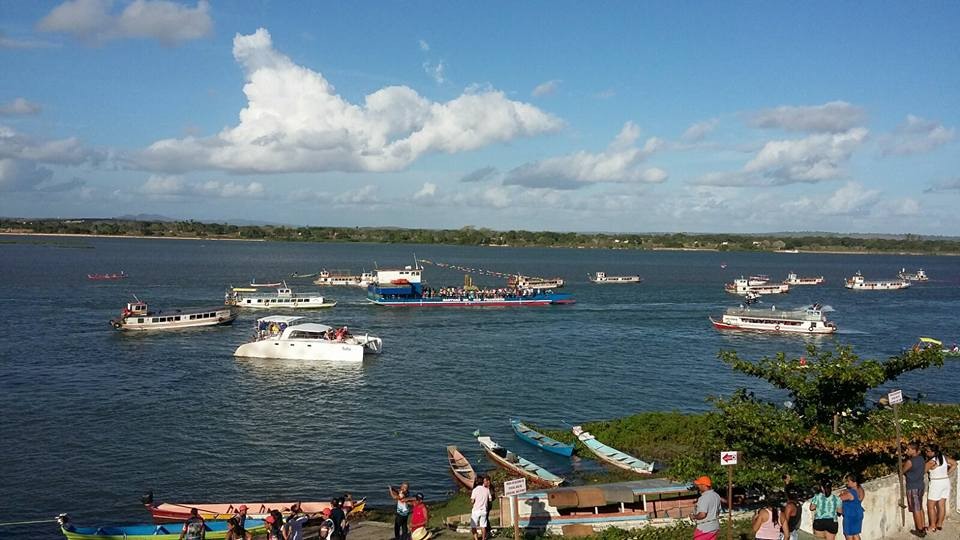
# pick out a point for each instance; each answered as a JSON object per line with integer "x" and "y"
{"x": 517, "y": 465}
{"x": 540, "y": 440}
{"x": 611, "y": 455}
{"x": 164, "y": 531}
{"x": 403, "y": 288}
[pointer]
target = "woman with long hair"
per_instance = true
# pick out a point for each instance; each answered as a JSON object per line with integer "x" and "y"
{"x": 825, "y": 507}
{"x": 852, "y": 499}
{"x": 770, "y": 522}
{"x": 939, "y": 468}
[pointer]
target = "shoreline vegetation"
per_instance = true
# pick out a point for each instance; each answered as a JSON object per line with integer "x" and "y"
{"x": 826, "y": 243}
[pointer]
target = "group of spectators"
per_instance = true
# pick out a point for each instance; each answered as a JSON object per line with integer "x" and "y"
{"x": 333, "y": 527}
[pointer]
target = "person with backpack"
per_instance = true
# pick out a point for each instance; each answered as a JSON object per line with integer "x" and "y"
{"x": 194, "y": 528}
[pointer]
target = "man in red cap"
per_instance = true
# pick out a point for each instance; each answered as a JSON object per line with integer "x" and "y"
{"x": 241, "y": 515}
{"x": 707, "y": 512}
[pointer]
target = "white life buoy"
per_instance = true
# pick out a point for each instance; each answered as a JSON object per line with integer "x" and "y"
{"x": 117, "y": 325}
{"x": 777, "y": 328}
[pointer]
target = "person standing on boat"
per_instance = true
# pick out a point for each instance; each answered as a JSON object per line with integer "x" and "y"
{"x": 707, "y": 512}
{"x": 400, "y": 531}
{"x": 480, "y": 496}
{"x": 194, "y": 528}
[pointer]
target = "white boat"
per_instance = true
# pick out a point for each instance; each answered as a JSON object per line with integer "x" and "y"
{"x": 794, "y": 279}
{"x": 807, "y": 320}
{"x": 528, "y": 282}
{"x": 920, "y": 275}
{"x": 137, "y": 316}
{"x": 282, "y": 298}
{"x": 742, "y": 286}
{"x": 602, "y": 277}
{"x": 759, "y": 279}
{"x": 285, "y": 337}
{"x": 344, "y": 278}
{"x": 857, "y": 282}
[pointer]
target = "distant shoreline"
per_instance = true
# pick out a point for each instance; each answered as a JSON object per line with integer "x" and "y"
{"x": 84, "y": 235}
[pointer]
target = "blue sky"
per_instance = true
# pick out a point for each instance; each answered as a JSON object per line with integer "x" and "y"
{"x": 671, "y": 116}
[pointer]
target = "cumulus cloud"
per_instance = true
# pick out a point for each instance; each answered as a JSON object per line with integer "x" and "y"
{"x": 699, "y": 131}
{"x": 916, "y": 136}
{"x": 68, "y": 151}
{"x": 177, "y": 187}
{"x": 952, "y": 184}
{"x": 91, "y": 21}
{"x": 429, "y": 190}
{"x": 22, "y": 175}
{"x": 363, "y": 196}
{"x": 480, "y": 175}
{"x": 832, "y": 117}
{"x": 295, "y": 121}
{"x": 546, "y": 88}
{"x": 19, "y": 106}
{"x": 852, "y": 198}
{"x": 812, "y": 159}
{"x": 621, "y": 162}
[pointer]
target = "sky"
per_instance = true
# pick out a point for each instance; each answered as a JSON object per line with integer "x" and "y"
{"x": 542, "y": 115}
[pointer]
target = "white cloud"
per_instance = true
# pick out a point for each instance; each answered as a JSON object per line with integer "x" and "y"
{"x": 363, "y": 196}
{"x": 697, "y": 132}
{"x": 832, "y": 117}
{"x": 916, "y": 136}
{"x": 546, "y": 88}
{"x": 22, "y": 175}
{"x": 59, "y": 151}
{"x": 952, "y": 184}
{"x": 621, "y": 162}
{"x": 812, "y": 159}
{"x": 851, "y": 198}
{"x": 435, "y": 71}
{"x": 424, "y": 46}
{"x": 295, "y": 121}
{"x": 19, "y": 106}
{"x": 14, "y": 43}
{"x": 91, "y": 21}
{"x": 177, "y": 187}
{"x": 429, "y": 190}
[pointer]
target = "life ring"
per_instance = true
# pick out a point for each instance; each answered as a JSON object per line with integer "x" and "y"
{"x": 810, "y": 329}
{"x": 117, "y": 325}
{"x": 777, "y": 328}
{"x": 219, "y": 319}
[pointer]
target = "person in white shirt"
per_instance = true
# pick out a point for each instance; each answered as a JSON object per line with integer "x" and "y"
{"x": 480, "y": 496}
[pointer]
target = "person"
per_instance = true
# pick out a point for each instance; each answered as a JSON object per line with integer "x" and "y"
{"x": 241, "y": 515}
{"x": 770, "y": 523}
{"x": 402, "y": 512}
{"x": 419, "y": 515}
{"x": 913, "y": 469}
{"x": 338, "y": 517}
{"x": 293, "y": 528}
{"x": 326, "y": 529}
{"x": 480, "y": 496}
{"x": 793, "y": 511}
{"x": 347, "y": 503}
{"x": 194, "y": 528}
{"x": 273, "y": 526}
{"x": 235, "y": 531}
{"x": 939, "y": 468}
{"x": 487, "y": 483}
{"x": 825, "y": 506}
{"x": 707, "y": 512}
{"x": 852, "y": 500}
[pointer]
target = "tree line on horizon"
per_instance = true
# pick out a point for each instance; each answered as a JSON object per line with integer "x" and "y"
{"x": 478, "y": 236}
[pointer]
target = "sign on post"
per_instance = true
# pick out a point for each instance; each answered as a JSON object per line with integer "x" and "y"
{"x": 728, "y": 458}
{"x": 895, "y": 397}
{"x": 515, "y": 487}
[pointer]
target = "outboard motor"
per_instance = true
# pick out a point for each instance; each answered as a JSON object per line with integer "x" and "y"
{"x": 147, "y": 498}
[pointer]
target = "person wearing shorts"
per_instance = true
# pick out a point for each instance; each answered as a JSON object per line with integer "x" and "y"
{"x": 913, "y": 468}
{"x": 825, "y": 505}
{"x": 480, "y": 496}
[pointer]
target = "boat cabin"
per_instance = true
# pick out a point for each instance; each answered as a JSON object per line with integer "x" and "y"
{"x": 399, "y": 277}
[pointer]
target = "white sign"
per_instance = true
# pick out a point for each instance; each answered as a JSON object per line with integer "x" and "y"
{"x": 895, "y": 397}
{"x": 728, "y": 458}
{"x": 515, "y": 487}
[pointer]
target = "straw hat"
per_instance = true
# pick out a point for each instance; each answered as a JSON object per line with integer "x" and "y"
{"x": 421, "y": 533}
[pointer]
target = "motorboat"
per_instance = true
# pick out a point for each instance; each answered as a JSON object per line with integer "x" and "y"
{"x": 857, "y": 282}
{"x": 919, "y": 275}
{"x": 528, "y": 282}
{"x": 107, "y": 277}
{"x": 806, "y": 320}
{"x": 343, "y": 278}
{"x": 602, "y": 277}
{"x": 284, "y": 297}
{"x": 759, "y": 279}
{"x": 289, "y": 337}
{"x": 794, "y": 279}
{"x": 741, "y": 286}
{"x": 137, "y": 316}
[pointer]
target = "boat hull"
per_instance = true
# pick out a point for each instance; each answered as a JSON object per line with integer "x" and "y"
{"x": 725, "y": 324}
{"x": 460, "y": 468}
{"x": 170, "y": 531}
{"x": 518, "y": 301}
{"x": 176, "y": 319}
{"x": 180, "y": 512}
{"x": 540, "y": 440}
{"x": 529, "y": 470}
{"x": 304, "y": 349}
{"x": 611, "y": 455}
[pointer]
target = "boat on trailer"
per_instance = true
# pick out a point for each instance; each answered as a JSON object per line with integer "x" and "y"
{"x": 286, "y": 337}
{"x": 858, "y": 283}
{"x": 215, "y": 529}
{"x": 806, "y": 320}
{"x": 460, "y": 468}
{"x": 611, "y": 455}
{"x": 603, "y": 278}
{"x": 518, "y": 465}
{"x": 137, "y": 316}
{"x": 794, "y": 279}
{"x": 526, "y": 434}
{"x": 284, "y": 297}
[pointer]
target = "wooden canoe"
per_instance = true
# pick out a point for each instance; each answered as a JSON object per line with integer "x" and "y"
{"x": 460, "y": 468}
{"x": 216, "y": 529}
{"x": 611, "y": 455}
{"x": 540, "y": 440}
{"x": 516, "y": 464}
{"x": 168, "y": 512}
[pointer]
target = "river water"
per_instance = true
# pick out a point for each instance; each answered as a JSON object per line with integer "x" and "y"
{"x": 93, "y": 418}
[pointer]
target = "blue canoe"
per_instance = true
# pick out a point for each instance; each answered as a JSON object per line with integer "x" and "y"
{"x": 540, "y": 440}
{"x": 612, "y": 455}
{"x": 166, "y": 531}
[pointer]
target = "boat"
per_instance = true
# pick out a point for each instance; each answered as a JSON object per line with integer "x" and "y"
{"x": 742, "y": 286}
{"x": 105, "y": 277}
{"x": 930, "y": 343}
{"x": 254, "y": 284}
{"x": 303, "y": 276}
{"x": 857, "y": 282}
{"x": 751, "y": 298}
{"x": 343, "y": 278}
{"x": 794, "y": 279}
{"x": 460, "y": 468}
{"x": 519, "y": 281}
{"x": 540, "y": 440}
{"x": 612, "y": 455}
{"x": 215, "y": 529}
{"x": 919, "y": 275}
{"x": 518, "y": 465}
{"x": 404, "y": 288}
{"x": 723, "y": 265}
{"x": 806, "y": 320}
{"x": 137, "y": 316}
{"x": 787, "y": 251}
{"x": 759, "y": 279}
{"x": 286, "y": 337}
{"x": 603, "y": 278}
{"x": 284, "y": 297}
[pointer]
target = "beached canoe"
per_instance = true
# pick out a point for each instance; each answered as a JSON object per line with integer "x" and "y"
{"x": 216, "y": 529}
{"x": 612, "y": 455}
{"x": 170, "y": 512}
{"x": 540, "y": 440}
{"x": 516, "y": 464}
{"x": 460, "y": 468}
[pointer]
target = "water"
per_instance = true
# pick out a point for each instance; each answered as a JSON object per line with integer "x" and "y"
{"x": 94, "y": 418}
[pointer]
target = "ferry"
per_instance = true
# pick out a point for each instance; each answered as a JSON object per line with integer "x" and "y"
{"x": 343, "y": 278}
{"x": 602, "y": 277}
{"x": 759, "y": 279}
{"x": 527, "y": 282}
{"x": 742, "y": 286}
{"x": 136, "y": 316}
{"x": 807, "y": 320}
{"x": 403, "y": 288}
{"x": 794, "y": 279}
{"x": 858, "y": 283}
{"x": 283, "y": 298}
{"x": 920, "y": 275}
{"x": 287, "y": 337}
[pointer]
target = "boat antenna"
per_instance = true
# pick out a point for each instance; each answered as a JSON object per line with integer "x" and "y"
{"x": 416, "y": 264}
{"x": 135, "y": 297}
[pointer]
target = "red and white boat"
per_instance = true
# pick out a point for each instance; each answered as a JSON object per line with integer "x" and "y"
{"x": 857, "y": 282}
{"x": 172, "y": 512}
{"x": 794, "y": 279}
{"x": 807, "y": 320}
{"x": 742, "y": 286}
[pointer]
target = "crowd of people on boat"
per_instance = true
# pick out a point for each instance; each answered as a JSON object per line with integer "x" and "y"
{"x": 472, "y": 294}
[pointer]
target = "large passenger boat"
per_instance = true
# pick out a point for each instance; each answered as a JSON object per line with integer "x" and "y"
{"x": 807, "y": 320}
{"x": 136, "y": 316}
{"x": 794, "y": 279}
{"x": 282, "y": 298}
{"x": 403, "y": 288}
{"x": 602, "y": 277}
{"x": 742, "y": 287}
{"x": 343, "y": 278}
{"x": 287, "y": 337}
{"x": 529, "y": 282}
{"x": 920, "y": 275}
{"x": 857, "y": 282}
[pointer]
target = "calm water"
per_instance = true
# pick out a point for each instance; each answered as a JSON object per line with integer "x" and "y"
{"x": 93, "y": 418}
